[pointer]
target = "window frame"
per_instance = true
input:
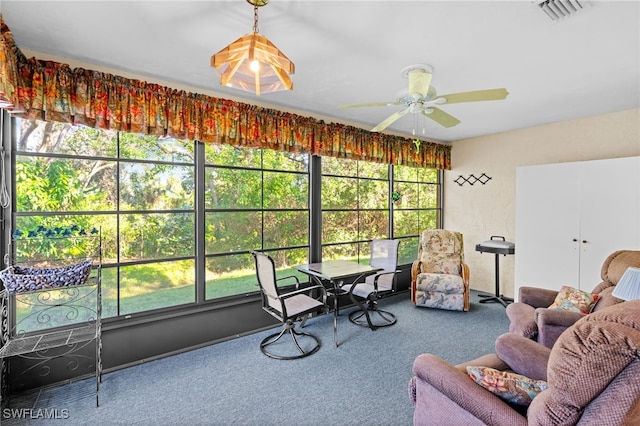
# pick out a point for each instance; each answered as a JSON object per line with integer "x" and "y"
{"x": 199, "y": 210}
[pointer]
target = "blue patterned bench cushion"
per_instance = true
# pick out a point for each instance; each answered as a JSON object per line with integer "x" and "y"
{"x": 19, "y": 279}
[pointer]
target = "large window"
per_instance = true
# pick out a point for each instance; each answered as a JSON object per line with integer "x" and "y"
{"x": 355, "y": 207}
{"x": 137, "y": 190}
{"x": 417, "y": 207}
{"x": 179, "y": 218}
{"x": 255, "y": 199}
{"x": 358, "y": 205}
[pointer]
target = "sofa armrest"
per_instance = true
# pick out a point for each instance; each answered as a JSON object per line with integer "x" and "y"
{"x": 552, "y": 323}
{"x": 523, "y": 356}
{"x": 537, "y": 297}
{"x": 489, "y": 360}
{"x": 458, "y": 387}
{"x": 522, "y": 319}
{"x": 555, "y": 317}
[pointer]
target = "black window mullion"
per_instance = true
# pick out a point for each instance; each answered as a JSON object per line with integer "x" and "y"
{"x": 200, "y": 222}
{"x": 118, "y": 240}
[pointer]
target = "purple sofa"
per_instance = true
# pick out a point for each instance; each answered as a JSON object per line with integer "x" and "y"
{"x": 530, "y": 317}
{"x": 592, "y": 374}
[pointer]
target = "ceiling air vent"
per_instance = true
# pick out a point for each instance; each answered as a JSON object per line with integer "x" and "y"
{"x": 559, "y": 9}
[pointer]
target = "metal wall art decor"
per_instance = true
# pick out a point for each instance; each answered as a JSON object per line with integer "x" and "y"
{"x": 483, "y": 178}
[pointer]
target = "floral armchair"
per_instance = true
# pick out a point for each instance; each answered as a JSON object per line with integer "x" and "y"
{"x": 439, "y": 277}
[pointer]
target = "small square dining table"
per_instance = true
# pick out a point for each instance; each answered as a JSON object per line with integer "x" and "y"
{"x": 335, "y": 272}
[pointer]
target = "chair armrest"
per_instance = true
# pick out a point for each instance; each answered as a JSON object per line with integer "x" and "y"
{"x": 290, "y": 276}
{"x": 523, "y": 356}
{"x": 465, "y": 281}
{"x": 415, "y": 270}
{"x": 537, "y": 297}
{"x": 465, "y": 274}
{"x": 380, "y": 274}
{"x": 461, "y": 389}
{"x": 323, "y": 292}
{"x": 556, "y": 317}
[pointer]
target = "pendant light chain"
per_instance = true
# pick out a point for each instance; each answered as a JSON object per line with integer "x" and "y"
{"x": 255, "y": 18}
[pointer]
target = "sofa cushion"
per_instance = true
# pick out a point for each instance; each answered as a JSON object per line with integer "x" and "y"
{"x": 573, "y": 299}
{"x": 585, "y": 360}
{"x": 513, "y": 388}
{"x": 606, "y": 299}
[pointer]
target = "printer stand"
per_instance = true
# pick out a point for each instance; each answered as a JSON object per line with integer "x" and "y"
{"x": 499, "y": 298}
{"x": 498, "y": 246}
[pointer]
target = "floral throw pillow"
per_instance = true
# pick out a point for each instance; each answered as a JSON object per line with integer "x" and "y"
{"x": 513, "y": 388}
{"x": 573, "y": 299}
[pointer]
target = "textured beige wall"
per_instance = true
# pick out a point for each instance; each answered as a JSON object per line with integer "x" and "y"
{"x": 480, "y": 211}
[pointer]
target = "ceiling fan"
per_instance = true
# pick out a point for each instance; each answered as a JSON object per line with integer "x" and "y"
{"x": 421, "y": 98}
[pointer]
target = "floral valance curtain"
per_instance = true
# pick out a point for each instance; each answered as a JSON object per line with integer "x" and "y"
{"x": 53, "y": 91}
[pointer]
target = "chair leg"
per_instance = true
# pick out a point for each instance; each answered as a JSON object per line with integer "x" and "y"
{"x": 289, "y": 328}
{"x": 385, "y": 318}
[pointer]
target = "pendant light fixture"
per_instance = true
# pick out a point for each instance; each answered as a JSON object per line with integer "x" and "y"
{"x": 252, "y": 63}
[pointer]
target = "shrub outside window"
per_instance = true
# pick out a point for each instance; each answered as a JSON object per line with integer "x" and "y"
{"x": 141, "y": 192}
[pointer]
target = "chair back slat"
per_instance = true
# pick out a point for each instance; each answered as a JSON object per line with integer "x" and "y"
{"x": 384, "y": 254}
{"x": 266, "y": 274}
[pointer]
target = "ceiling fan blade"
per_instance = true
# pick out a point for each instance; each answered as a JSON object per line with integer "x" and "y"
{"x": 419, "y": 82}
{"x": 389, "y": 120}
{"x": 368, "y": 105}
{"x": 441, "y": 117}
{"x": 475, "y": 96}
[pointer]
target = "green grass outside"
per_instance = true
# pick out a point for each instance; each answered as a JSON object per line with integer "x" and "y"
{"x": 148, "y": 287}
{"x": 154, "y": 286}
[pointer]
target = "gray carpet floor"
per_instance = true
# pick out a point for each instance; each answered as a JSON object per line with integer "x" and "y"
{"x": 363, "y": 381}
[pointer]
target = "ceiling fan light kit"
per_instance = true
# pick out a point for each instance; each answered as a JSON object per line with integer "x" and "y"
{"x": 252, "y": 63}
{"x": 421, "y": 98}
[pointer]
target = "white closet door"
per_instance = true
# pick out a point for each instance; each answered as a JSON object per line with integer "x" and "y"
{"x": 610, "y": 213}
{"x": 571, "y": 216}
{"x": 547, "y": 226}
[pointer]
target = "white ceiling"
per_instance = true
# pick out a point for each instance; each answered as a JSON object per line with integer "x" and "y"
{"x": 353, "y": 51}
